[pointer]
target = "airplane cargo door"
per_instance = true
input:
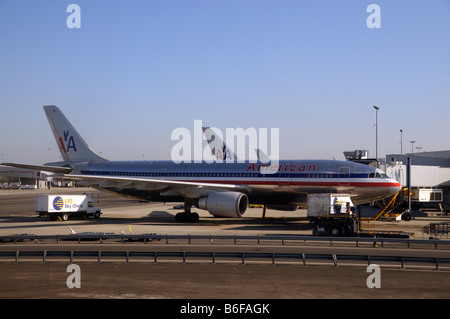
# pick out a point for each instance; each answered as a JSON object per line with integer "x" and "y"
{"x": 344, "y": 176}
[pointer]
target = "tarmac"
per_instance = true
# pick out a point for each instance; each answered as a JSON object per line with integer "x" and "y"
{"x": 218, "y": 281}
{"x": 111, "y": 280}
{"x": 120, "y": 214}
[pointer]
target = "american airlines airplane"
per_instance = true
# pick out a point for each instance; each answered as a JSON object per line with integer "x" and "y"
{"x": 223, "y": 189}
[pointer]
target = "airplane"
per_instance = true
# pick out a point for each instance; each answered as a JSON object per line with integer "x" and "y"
{"x": 223, "y": 189}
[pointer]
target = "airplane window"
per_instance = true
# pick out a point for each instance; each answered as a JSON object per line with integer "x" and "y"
{"x": 378, "y": 175}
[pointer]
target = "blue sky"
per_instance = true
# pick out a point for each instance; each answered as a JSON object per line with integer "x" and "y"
{"x": 136, "y": 70}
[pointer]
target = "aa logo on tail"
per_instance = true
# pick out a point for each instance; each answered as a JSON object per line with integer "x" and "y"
{"x": 67, "y": 143}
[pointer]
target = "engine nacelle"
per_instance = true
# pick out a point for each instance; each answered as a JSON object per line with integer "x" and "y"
{"x": 225, "y": 204}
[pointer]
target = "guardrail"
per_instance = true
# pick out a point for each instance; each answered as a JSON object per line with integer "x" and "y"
{"x": 213, "y": 257}
{"x": 259, "y": 239}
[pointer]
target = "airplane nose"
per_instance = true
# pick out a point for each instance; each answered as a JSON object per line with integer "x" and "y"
{"x": 395, "y": 188}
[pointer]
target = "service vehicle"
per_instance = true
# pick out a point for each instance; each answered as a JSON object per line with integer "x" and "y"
{"x": 331, "y": 214}
{"x": 65, "y": 206}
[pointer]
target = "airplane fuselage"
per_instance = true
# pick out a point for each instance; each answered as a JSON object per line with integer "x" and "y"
{"x": 284, "y": 183}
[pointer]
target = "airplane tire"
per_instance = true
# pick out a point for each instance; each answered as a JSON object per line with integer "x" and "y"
{"x": 180, "y": 217}
{"x": 335, "y": 232}
{"x": 194, "y": 217}
{"x": 187, "y": 217}
{"x": 406, "y": 217}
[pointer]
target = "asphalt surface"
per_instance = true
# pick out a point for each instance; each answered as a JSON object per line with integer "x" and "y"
{"x": 168, "y": 280}
{"x": 223, "y": 281}
{"x": 17, "y": 216}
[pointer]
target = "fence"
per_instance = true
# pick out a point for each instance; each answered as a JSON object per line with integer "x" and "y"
{"x": 236, "y": 239}
{"x": 227, "y": 257}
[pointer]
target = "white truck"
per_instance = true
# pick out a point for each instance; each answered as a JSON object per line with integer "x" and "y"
{"x": 63, "y": 206}
{"x": 329, "y": 205}
{"x": 331, "y": 214}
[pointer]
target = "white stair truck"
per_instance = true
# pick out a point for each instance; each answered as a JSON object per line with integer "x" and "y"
{"x": 63, "y": 206}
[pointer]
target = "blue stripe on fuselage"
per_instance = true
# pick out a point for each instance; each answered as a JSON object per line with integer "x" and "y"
{"x": 286, "y": 169}
{"x": 220, "y": 174}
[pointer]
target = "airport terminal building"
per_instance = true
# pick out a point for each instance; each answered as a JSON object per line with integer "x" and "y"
{"x": 430, "y": 175}
{"x": 20, "y": 178}
{"x": 12, "y": 177}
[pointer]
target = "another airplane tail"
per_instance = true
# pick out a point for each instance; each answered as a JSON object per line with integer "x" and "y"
{"x": 218, "y": 147}
{"x": 70, "y": 143}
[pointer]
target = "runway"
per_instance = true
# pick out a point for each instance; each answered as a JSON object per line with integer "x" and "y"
{"x": 193, "y": 279}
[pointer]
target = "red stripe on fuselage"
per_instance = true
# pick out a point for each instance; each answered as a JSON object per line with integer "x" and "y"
{"x": 284, "y": 183}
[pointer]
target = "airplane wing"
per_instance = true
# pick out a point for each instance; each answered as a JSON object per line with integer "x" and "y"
{"x": 185, "y": 188}
{"x": 53, "y": 169}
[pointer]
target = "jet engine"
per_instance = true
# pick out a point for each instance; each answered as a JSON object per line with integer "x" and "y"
{"x": 225, "y": 204}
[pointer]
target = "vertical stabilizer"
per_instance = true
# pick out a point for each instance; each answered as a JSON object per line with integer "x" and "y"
{"x": 218, "y": 147}
{"x": 71, "y": 145}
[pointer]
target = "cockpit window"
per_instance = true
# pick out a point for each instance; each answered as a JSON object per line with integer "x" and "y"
{"x": 378, "y": 175}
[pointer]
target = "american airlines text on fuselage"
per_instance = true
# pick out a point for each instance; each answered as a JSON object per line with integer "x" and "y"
{"x": 281, "y": 168}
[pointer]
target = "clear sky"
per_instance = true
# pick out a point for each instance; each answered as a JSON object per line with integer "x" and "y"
{"x": 136, "y": 70}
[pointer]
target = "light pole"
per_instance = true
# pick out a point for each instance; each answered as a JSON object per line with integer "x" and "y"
{"x": 376, "y": 132}
{"x": 412, "y": 146}
{"x": 401, "y": 141}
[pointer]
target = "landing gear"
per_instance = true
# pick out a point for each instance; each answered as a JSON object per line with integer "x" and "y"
{"x": 406, "y": 216}
{"x": 187, "y": 216}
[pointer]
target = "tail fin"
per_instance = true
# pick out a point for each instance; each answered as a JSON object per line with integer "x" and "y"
{"x": 71, "y": 145}
{"x": 220, "y": 151}
{"x": 218, "y": 147}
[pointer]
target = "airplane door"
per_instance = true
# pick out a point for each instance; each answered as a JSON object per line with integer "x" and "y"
{"x": 344, "y": 176}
